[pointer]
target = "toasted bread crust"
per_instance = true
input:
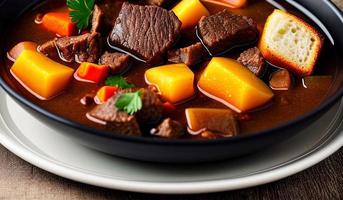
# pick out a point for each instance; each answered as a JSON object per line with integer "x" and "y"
{"x": 277, "y": 59}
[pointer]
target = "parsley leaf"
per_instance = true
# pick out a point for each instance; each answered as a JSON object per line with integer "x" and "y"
{"x": 118, "y": 81}
{"x": 81, "y": 11}
{"x": 130, "y": 102}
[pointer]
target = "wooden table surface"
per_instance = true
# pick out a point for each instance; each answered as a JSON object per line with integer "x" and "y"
{"x": 21, "y": 180}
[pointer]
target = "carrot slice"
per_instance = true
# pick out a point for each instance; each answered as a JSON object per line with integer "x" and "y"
{"x": 228, "y": 3}
{"x": 59, "y": 23}
{"x": 90, "y": 72}
{"x": 105, "y": 93}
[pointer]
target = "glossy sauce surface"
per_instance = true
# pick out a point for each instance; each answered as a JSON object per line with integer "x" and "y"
{"x": 287, "y": 105}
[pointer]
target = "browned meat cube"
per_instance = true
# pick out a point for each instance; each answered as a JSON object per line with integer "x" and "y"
{"x": 190, "y": 55}
{"x": 281, "y": 80}
{"x": 124, "y": 123}
{"x": 49, "y": 49}
{"x": 253, "y": 60}
{"x": 97, "y": 18}
{"x": 146, "y": 32}
{"x": 169, "y": 129}
{"x": 219, "y": 121}
{"x": 93, "y": 50}
{"x": 224, "y": 31}
{"x": 70, "y": 46}
{"x": 117, "y": 121}
{"x": 118, "y": 62}
{"x": 83, "y": 48}
{"x": 152, "y": 109}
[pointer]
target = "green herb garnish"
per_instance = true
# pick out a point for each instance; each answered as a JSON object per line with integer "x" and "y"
{"x": 118, "y": 81}
{"x": 81, "y": 11}
{"x": 130, "y": 102}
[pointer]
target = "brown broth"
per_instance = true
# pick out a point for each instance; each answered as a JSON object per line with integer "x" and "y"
{"x": 286, "y": 106}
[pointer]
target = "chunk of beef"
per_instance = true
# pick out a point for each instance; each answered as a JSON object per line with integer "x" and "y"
{"x": 190, "y": 55}
{"x": 117, "y": 121}
{"x": 169, "y": 129}
{"x": 223, "y": 31}
{"x": 83, "y": 48}
{"x": 253, "y": 60}
{"x": 97, "y": 18}
{"x": 124, "y": 123}
{"x": 118, "y": 62}
{"x": 152, "y": 109}
{"x": 146, "y": 32}
{"x": 281, "y": 80}
{"x": 93, "y": 50}
{"x": 220, "y": 121}
{"x": 49, "y": 49}
{"x": 68, "y": 47}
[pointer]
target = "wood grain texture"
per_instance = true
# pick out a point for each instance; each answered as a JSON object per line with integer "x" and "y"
{"x": 339, "y": 3}
{"x": 20, "y": 180}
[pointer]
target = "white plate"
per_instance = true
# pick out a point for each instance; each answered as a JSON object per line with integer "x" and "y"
{"x": 45, "y": 148}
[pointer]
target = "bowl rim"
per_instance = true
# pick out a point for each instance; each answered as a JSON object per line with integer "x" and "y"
{"x": 160, "y": 141}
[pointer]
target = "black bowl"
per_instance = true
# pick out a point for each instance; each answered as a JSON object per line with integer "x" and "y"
{"x": 186, "y": 151}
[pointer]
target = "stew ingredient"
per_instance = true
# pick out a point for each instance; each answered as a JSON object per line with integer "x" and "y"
{"x": 59, "y": 23}
{"x": 42, "y": 76}
{"x": 175, "y": 82}
{"x": 239, "y": 88}
{"x": 183, "y": 9}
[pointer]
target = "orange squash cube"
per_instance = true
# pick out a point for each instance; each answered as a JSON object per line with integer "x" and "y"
{"x": 14, "y": 53}
{"x": 190, "y": 12}
{"x": 174, "y": 82}
{"x": 93, "y": 73}
{"x": 234, "y": 85}
{"x": 40, "y": 75}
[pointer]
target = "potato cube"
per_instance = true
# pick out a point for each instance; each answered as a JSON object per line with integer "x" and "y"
{"x": 234, "y": 85}
{"x": 174, "y": 82}
{"x": 40, "y": 75}
{"x": 15, "y": 52}
{"x": 190, "y": 12}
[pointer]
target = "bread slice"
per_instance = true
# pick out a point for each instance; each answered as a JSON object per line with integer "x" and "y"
{"x": 290, "y": 43}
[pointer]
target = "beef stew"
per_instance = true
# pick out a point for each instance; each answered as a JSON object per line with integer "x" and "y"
{"x": 152, "y": 50}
